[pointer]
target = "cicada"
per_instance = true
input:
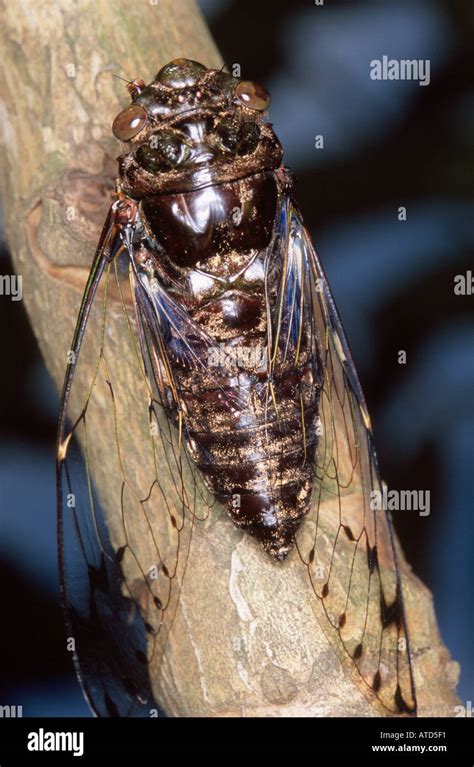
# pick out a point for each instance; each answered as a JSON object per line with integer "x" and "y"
{"x": 244, "y": 393}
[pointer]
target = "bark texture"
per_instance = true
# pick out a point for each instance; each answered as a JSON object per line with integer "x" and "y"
{"x": 245, "y": 641}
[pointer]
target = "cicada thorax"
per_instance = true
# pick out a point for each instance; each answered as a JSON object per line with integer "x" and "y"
{"x": 250, "y": 422}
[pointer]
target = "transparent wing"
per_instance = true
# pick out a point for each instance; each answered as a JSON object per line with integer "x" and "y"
{"x": 128, "y": 496}
{"x": 345, "y": 544}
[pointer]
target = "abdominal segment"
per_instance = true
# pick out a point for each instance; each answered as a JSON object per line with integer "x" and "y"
{"x": 257, "y": 459}
{"x": 252, "y": 435}
{"x": 250, "y": 427}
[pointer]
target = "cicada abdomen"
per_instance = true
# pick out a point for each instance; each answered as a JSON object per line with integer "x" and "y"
{"x": 244, "y": 388}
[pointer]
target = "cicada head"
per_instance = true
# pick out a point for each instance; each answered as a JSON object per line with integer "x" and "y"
{"x": 192, "y": 127}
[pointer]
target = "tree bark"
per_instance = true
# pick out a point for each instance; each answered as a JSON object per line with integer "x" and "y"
{"x": 235, "y": 650}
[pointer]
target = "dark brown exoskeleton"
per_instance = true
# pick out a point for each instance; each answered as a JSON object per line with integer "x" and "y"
{"x": 205, "y": 169}
{"x": 250, "y": 384}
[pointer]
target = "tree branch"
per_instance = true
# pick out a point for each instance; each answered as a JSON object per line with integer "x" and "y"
{"x": 245, "y": 641}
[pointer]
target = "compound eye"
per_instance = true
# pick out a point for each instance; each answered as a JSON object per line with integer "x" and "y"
{"x": 252, "y": 95}
{"x": 129, "y": 123}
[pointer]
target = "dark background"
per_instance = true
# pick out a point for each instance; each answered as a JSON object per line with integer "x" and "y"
{"x": 386, "y": 144}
